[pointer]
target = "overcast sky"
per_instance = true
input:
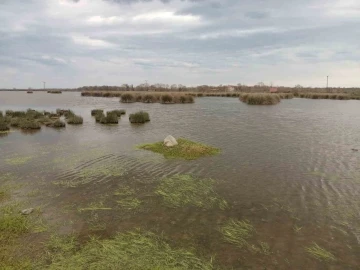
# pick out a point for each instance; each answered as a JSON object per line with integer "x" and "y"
{"x": 71, "y": 43}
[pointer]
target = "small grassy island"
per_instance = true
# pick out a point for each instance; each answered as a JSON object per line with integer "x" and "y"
{"x": 260, "y": 98}
{"x": 185, "y": 149}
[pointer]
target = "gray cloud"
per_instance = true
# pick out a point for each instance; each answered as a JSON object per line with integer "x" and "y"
{"x": 173, "y": 41}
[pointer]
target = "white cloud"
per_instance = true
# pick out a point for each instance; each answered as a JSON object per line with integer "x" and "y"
{"x": 99, "y": 20}
{"x": 238, "y": 32}
{"x": 91, "y": 42}
{"x": 166, "y": 17}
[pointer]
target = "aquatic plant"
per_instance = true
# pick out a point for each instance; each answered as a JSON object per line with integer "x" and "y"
{"x": 131, "y": 250}
{"x": 15, "y": 122}
{"x": 18, "y": 160}
{"x": 75, "y": 120}
{"x": 11, "y": 222}
{"x": 286, "y": 95}
{"x": 54, "y": 92}
{"x": 118, "y": 112}
{"x": 58, "y": 124}
{"x": 33, "y": 114}
{"x": 3, "y": 126}
{"x": 110, "y": 118}
{"x": 166, "y": 99}
{"x": 339, "y": 96}
{"x": 99, "y": 116}
{"x": 149, "y": 98}
{"x": 139, "y": 117}
{"x": 68, "y": 114}
{"x": 186, "y": 190}
{"x": 260, "y": 98}
{"x": 185, "y": 149}
{"x": 127, "y": 98}
{"x": 29, "y": 125}
{"x": 96, "y": 111}
{"x": 320, "y": 253}
{"x": 237, "y": 232}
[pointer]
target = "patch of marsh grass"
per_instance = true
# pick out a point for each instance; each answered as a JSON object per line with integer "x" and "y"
{"x": 185, "y": 149}
{"x": 58, "y": 124}
{"x": 260, "y": 98}
{"x": 18, "y": 160}
{"x": 186, "y": 190}
{"x": 12, "y": 223}
{"x": 94, "y": 206}
{"x": 132, "y": 251}
{"x": 75, "y": 120}
{"x": 110, "y": 118}
{"x": 127, "y": 98}
{"x": 237, "y": 232}
{"x": 29, "y": 125}
{"x": 96, "y": 111}
{"x": 126, "y": 198}
{"x": 320, "y": 253}
{"x": 3, "y": 126}
{"x": 118, "y": 112}
{"x": 139, "y": 117}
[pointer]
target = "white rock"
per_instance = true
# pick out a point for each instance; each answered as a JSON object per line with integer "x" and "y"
{"x": 27, "y": 211}
{"x": 170, "y": 141}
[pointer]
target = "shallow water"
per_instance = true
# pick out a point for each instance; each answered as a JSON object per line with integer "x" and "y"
{"x": 288, "y": 169}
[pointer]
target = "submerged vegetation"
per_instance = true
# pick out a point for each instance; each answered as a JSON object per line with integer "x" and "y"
{"x": 132, "y": 250}
{"x": 320, "y": 253}
{"x": 111, "y": 117}
{"x": 187, "y": 190}
{"x": 185, "y": 149}
{"x": 260, "y": 98}
{"x": 237, "y": 232}
{"x": 139, "y": 117}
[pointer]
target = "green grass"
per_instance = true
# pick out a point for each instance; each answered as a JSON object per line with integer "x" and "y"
{"x": 110, "y": 118}
{"x": 94, "y": 206}
{"x": 126, "y": 198}
{"x": 237, "y": 232}
{"x": 118, "y": 112}
{"x": 186, "y": 190}
{"x": 320, "y": 253}
{"x": 260, "y": 98}
{"x": 75, "y": 120}
{"x": 3, "y": 126}
{"x": 185, "y": 149}
{"x": 12, "y": 223}
{"x": 96, "y": 111}
{"x": 131, "y": 251}
{"x": 127, "y": 98}
{"x": 29, "y": 125}
{"x": 139, "y": 117}
{"x": 58, "y": 124}
{"x": 18, "y": 160}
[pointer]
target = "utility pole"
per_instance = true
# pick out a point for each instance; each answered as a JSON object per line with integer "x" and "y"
{"x": 44, "y": 85}
{"x": 327, "y": 82}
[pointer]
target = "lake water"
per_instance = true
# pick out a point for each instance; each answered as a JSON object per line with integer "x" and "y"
{"x": 289, "y": 169}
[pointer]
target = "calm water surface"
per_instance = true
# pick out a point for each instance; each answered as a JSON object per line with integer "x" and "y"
{"x": 289, "y": 169}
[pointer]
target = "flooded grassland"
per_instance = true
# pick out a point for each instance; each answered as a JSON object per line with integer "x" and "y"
{"x": 281, "y": 191}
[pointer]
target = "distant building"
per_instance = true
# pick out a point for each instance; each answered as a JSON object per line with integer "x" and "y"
{"x": 273, "y": 90}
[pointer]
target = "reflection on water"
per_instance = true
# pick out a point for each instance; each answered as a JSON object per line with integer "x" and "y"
{"x": 288, "y": 170}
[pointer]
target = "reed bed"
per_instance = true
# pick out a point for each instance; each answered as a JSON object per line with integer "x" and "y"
{"x": 338, "y": 96}
{"x": 54, "y": 92}
{"x": 139, "y": 118}
{"x": 145, "y": 97}
{"x": 260, "y": 98}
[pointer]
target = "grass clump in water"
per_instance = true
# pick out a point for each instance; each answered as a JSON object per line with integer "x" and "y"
{"x": 237, "y": 232}
{"x": 186, "y": 190}
{"x": 185, "y": 149}
{"x": 18, "y": 160}
{"x": 12, "y": 223}
{"x": 260, "y": 98}
{"x": 110, "y": 118}
{"x": 118, "y": 112}
{"x": 96, "y": 111}
{"x": 139, "y": 117}
{"x": 58, "y": 124}
{"x": 320, "y": 253}
{"x": 29, "y": 125}
{"x": 3, "y": 126}
{"x": 132, "y": 250}
{"x": 127, "y": 98}
{"x": 75, "y": 120}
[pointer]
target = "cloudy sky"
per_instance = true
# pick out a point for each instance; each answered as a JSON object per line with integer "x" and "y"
{"x": 71, "y": 43}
